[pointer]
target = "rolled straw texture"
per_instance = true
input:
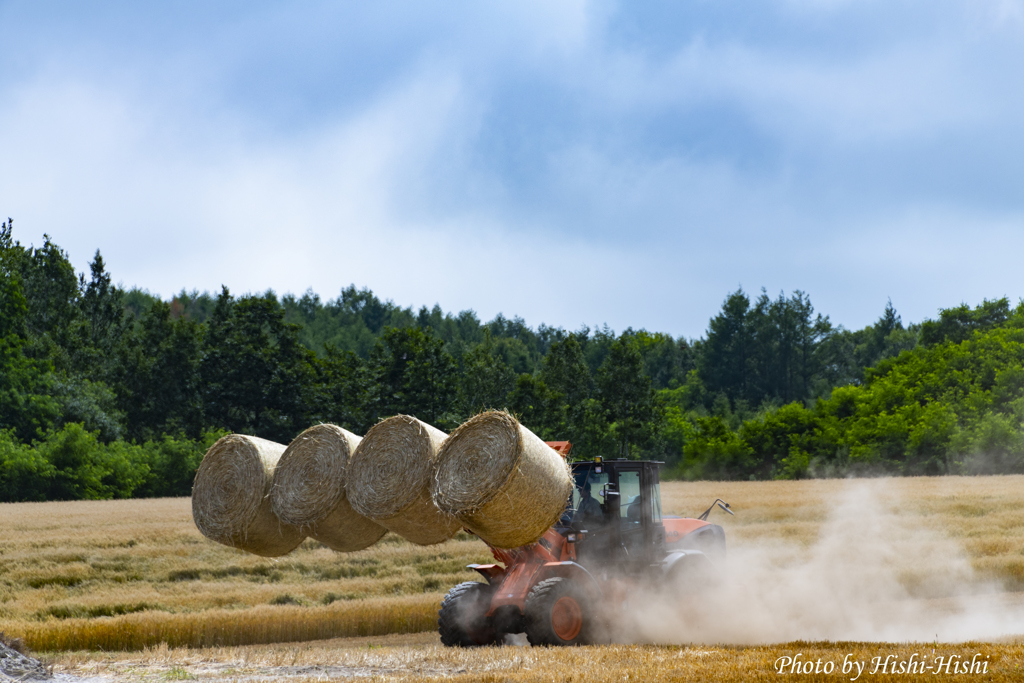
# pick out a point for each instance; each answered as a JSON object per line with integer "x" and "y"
{"x": 309, "y": 490}
{"x": 231, "y": 497}
{"x": 500, "y": 480}
{"x": 389, "y": 480}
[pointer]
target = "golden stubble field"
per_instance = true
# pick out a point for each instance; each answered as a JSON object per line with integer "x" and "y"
{"x": 825, "y": 567}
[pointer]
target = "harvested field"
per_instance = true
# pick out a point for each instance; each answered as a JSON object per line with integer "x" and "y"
{"x": 420, "y": 658}
{"x": 133, "y": 574}
{"x": 74, "y": 575}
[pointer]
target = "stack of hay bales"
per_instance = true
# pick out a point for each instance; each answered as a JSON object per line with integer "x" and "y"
{"x": 492, "y": 475}
{"x": 230, "y": 498}
{"x": 309, "y": 490}
{"x": 501, "y": 480}
{"x": 389, "y": 480}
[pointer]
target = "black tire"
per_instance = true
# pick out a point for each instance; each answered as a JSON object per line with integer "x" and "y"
{"x": 559, "y": 612}
{"x": 462, "y": 620}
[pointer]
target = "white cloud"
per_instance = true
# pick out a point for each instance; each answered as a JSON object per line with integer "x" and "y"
{"x": 404, "y": 188}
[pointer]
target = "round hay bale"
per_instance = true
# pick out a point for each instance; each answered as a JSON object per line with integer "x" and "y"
{"x": 500, "y": 480}
{"x": 231, "y": 497}
{"x": 309, "y": 490}
{"x": 389, "y": 480}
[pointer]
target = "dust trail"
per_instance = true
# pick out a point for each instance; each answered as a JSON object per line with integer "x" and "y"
{"x": 869, "y": 576}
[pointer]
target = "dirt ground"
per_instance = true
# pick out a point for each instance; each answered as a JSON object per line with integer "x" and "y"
{"x": 420, "y": 657}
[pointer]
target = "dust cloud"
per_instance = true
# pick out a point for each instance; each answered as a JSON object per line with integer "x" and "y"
{"x": 867, "y": 576}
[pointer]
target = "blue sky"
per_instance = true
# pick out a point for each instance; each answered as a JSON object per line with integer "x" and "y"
{"x": 570, "y": 162}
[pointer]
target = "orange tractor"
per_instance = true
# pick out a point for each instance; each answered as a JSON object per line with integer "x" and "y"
{"x": 565, "y": 589}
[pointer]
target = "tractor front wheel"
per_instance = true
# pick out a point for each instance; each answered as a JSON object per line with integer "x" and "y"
{"x": 462, "y": 620}
{"x": 558, "y": 613}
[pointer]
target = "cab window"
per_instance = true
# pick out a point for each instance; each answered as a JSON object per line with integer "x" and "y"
{"x": 588, "y": 496}
{"x": 596, "y": 483}
{"x": 629, "y": 497}
{"x": 656, "y": 504}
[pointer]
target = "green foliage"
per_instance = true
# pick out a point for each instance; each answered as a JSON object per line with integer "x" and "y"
{"x": 952, "y": 407}
{"x": 255, "y": 375}
{"x": 107, "y": 393}
{"x": 666, "y": 361}
{"x": 780, "y": 439}
{"x": 138, "y": 301}
{"x": 92, "y": 404}
{"x": 713, "y": 451}
{"x": 958, "y": 324}
{"x": 158, "y": 378}
{"x": 775, "y": 350}
{"x": 25, "y": 475}
{"x": 85, "y": 469}
{"x": 487, "y": 380}
{"x": 529, "y": 401}
{"x": 726, "y": 352}
{"x": 342, "y": 391}
{"x": 414, "y": 375}
{"x": 73, "y": 464}
{"x": 849, "y": 353}
{"x": 568, "y": 384}
{"x": 626, "y": 396}
{"x": 349, "y": 323}
{"x": 26, "y": 407}
{"x": 13, "y": 305}
{"x": 992, "y": 445}
{"x": 52, "y": 294}
{"x": 172, "y": 464}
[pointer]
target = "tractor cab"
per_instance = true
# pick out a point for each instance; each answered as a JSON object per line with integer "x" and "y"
{"x": 615, "y": 514}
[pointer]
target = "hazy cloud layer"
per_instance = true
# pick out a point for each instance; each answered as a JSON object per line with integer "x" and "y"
{"x": 572, "y": 163}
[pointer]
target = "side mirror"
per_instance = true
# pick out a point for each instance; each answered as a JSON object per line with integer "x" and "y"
{"x": 720, "y": 503}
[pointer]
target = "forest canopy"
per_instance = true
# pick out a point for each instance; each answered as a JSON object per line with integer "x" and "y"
{"x": 112, "y": 393}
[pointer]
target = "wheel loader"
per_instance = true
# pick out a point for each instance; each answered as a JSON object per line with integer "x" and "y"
{"x": 573, "y": 584}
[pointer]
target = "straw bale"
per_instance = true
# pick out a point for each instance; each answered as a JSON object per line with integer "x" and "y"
{"x": 309, "y": 490}
{"x": 500, "y": 480}
{"x": 389, "y": 480}
{"x": 231, "y": 497}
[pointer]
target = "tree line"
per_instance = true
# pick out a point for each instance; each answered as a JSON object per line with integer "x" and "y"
{"x": 113, "y": 393}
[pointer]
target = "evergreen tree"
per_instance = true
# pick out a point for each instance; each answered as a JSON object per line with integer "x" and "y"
{"x": 52, "y": 296}
{"x": 25, "y": 405}
{"x": 486, "y": 381}
{"x": 256, "y": 375}
{"x": 159, "y": 376}
{"x": 726, "y": 351}
{"x": 626, "y": 396}
{"x": 569, "y": 415}
{"x": 343, "y": 391}
{"x": 414, "y": 375}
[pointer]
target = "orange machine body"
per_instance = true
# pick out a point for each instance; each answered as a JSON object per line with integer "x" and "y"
{"x": 553, "y": 555}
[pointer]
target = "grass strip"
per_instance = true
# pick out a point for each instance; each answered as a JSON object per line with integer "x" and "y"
{"x": 210, "y": 628}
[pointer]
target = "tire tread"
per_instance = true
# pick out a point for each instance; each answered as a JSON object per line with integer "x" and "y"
{"x": 538, "y": 608}
{"x": 452, "y": 632}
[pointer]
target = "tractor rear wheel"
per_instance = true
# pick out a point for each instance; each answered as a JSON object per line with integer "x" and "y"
{"x": 462, "y": 620}
{"x": 558, "y": 613}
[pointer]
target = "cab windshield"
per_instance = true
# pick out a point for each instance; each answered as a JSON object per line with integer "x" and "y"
{"x": 584, "y": 505}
